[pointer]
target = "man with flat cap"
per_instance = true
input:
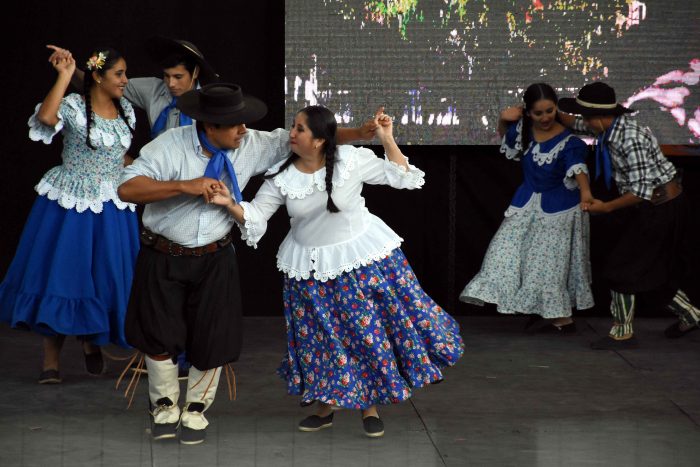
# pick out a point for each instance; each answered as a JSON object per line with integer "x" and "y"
{"x": 185, "y": 294}
{"x": 648, "y": 253}
{"x": 184, "y": 68}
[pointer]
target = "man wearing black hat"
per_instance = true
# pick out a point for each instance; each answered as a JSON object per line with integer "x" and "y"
{"x": 650, "y": 211}
{"x": 185, "y": 294}
{"x": 184, "y": 67}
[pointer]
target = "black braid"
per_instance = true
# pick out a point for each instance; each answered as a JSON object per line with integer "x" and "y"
{"x": 329, "y": 150}
{"x": 87, "y": 85}
{"x": 525, "y": 133}
{"x": 292, "y": 157}
{"x": 120, "y": 109}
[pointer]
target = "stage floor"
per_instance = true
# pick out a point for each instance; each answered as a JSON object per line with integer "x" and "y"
{"x": 513, "y": 400}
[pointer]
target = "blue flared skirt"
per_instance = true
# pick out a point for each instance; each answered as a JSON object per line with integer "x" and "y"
{"x": 72, "y": 272}
{"x": 368, "y": 337}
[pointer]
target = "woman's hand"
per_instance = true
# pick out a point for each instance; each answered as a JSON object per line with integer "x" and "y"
{"x": 596, "y": 206}
{"x": 512, "y": 114}
{"x": 58, "y": 53}
{"x": 221, "y": 195}
{"x": 64, "y": 66}
{"x": 385, "y": 125}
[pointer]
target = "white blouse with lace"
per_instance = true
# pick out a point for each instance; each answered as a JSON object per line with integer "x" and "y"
{"x": 320, "y": 243}
{"x": 88, "y": 177}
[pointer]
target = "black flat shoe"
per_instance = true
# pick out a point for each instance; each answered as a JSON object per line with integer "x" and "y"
{"x": 316, "y": 423}
{"x": 608, "y": 343}
{"x": 554, "y": 329}
{"x": 674, "y": 331}
{"x": 533, "y": 320}
{"x": 374, "y": 427}
{"x": 94, "y": 363}
{"x": 49, "y": 377}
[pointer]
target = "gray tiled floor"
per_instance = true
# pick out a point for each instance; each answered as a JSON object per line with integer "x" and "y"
{"x": 514, "y": 400}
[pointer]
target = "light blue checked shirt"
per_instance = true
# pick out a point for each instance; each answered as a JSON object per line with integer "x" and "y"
{"x": 177, "y": 155}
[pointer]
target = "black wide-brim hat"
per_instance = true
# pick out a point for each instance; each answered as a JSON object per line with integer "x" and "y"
{"x": 593, "y": 99}
{"x": 222, "y": 103}
{"x": 160, "y": 48}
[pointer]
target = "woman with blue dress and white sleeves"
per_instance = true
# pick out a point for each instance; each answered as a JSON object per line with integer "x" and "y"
{"x": 361, "y": 331}
{"x": 72, "y": 270}
{"x": 538, "y": 261}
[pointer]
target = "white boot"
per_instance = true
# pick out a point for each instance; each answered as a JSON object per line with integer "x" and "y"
{"x": 163, "y": 393}
{"x": 201, "y": 390}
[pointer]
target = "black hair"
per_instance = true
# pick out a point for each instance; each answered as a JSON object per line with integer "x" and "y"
{"x": 321, "y": 122}
{"x": 111, "y": 57}
{"x": 174, "y": 60}
{"x": 534, "y": 93}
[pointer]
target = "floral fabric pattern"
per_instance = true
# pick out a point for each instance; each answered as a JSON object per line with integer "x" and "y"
{"x": 368, "y": 337}
{"x": 87, "y": 178}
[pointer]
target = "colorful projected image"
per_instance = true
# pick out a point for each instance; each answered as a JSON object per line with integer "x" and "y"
{"x": 444, "y": 68}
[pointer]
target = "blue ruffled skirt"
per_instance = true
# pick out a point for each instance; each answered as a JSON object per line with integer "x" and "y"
{"x": 72, "y": 272}
{"x": 368, "y": 337}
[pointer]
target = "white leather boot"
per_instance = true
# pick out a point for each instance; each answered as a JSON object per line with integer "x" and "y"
{"x": 163, "y": 393}
{"x": 201, "y": 390}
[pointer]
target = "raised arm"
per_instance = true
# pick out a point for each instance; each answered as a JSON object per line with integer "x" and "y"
{"x": 508, "y": 116}
{"x": 384, "y": 127}
{"x": 366, "y": 132}
{"x": 78, "y": 75}
{"x": 48, "y": 112}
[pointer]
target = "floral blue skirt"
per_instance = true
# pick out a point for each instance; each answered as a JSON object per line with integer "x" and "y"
{"x": 72, "y": 272}
{"x": 367, "y": 337}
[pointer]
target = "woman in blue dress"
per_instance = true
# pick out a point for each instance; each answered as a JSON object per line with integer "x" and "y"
{"x": 72, "y": 270}
{"x": 538, "y": 261}
{"x": 360, "y": 329}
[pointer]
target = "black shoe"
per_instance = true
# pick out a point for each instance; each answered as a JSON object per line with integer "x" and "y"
{"x": 533, "y": 320}
{"x": 374, "y": 427}
{"x": 49, "y": 377}
{"x": 190, "y": 435}
{"x": 551, "y": 328}
{"x": 316, "y": 423}
{"x": 161, "y": 430}
{"x": 94, "y": 364}
{"x": 608, "y": 343}
{"x": 674, "y": 331}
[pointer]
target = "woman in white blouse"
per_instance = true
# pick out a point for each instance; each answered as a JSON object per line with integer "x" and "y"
{"x": 361, "y": 331}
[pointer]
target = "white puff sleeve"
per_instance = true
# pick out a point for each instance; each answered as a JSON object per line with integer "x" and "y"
{"x": 376, "y": 171}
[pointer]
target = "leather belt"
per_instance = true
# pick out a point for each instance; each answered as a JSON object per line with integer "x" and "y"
{"x": 162, "y": 244}
{"x": 666, "y": 192}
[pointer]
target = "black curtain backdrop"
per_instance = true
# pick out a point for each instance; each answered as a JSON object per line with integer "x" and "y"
{"x": 447, "y": 225}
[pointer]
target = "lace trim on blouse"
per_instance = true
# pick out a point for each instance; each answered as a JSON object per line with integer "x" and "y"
{"x": 297, "y": 185}
{"x": 535, "y": 204}
{"x": 514, "y": 152}
{"x": 69, "y": 201}
{"x": 538, "y": 156}
{"x": 542, "y": 158}
{"x": 247, "y": 229}
{"x": 44, "y": 133}
{"x": 293, "y": 273}
{"x": 570, "y": 177}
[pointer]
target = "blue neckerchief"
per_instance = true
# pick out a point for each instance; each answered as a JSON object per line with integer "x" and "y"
{"x": 602, "y": 156}
{"x": 162, "y": 119}
{"x": 216, "y": 166}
